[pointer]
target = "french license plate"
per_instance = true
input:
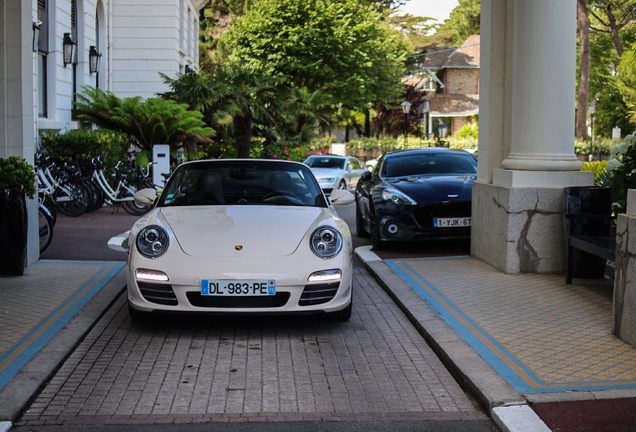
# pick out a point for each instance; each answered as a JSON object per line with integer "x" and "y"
{"x": 232, "y": 287}
{"x": 459, "y": 222}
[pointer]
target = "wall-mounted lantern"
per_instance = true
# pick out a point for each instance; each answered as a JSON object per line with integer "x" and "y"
{"x": 68, "y": 48}
{"x": 93, "y": 59}
{"x": 37, "y": 25}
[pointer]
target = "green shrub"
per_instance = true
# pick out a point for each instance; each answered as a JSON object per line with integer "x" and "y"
{"x": 599, "y": 170}
{"x": 87, "y": 143}
{"x": 622, "y": 171}
{"x": 600, "y": 145}
{"x": 17, "y": 173}
{"x": 469, "y": 130}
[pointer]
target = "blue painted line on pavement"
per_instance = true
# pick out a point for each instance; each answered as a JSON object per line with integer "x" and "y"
{"x": 22, "y": 351}
{"x": 507, "y": 365}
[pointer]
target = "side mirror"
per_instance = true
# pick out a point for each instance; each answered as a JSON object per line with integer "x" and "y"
{"x": 145, "y": 196}
{"x": 366, "y": 176}
{"x": 341, "y": 197}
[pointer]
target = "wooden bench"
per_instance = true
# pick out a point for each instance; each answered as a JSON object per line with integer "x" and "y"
{"x": 600, "y": 246}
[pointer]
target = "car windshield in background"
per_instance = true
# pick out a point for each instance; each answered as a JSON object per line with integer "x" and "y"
{"x": 227, "y": 182}
{"x": 325, "y": 162}
{"x": 430, "y": 164}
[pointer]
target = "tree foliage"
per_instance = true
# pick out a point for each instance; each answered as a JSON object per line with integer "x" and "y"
{"x": 464, "y": 21}
{"x": 611, "y": 74}
{"x": 148, "y": 122}
{"x": 344, "y": 48}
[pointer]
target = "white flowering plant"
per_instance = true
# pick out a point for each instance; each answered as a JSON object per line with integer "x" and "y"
{"x": 622, "y": 171}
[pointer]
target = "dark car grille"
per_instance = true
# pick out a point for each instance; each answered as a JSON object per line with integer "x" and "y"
{"x": 425, "y": 214}
{"x": 318, "y": 294}
{"x": 158, "y": 293}
{"x": 278, "y": 300}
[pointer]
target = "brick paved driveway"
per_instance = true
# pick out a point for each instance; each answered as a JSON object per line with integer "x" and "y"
{"x": 376, "y": 367}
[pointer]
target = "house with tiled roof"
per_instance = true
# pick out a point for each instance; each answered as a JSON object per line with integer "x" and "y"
{"x": 450, "y": 78}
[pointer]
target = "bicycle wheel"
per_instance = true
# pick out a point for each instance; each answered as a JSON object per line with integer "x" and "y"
{"x": 97, "y": 194}
{"x": 45, "y": 228}
{"x": 131, "y": 207}
{"x": 51, "y": 206}
{"x": 72, "y": 197}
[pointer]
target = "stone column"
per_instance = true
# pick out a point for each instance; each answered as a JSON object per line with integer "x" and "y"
{"x": 17, "y": 105}
{"x": 624, "y": 326}
{"x": 543, "y": 71}
{"x": 526, "y": 140}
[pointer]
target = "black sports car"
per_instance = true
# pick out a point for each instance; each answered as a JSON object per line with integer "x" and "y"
{"x": 415, "y": 195}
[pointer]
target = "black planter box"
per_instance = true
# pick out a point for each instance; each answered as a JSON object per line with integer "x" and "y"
{"x": 13, "y": 232}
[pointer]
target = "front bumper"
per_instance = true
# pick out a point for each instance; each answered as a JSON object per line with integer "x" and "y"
{"x": 414, "y": 223}
{"x": 294, "y": 294}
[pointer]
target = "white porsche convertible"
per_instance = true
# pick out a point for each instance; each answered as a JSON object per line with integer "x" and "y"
{"x": 241, "y": 236}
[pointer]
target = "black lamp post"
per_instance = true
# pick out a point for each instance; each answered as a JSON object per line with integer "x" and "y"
{"x": 442, "y": 130}
{"x": 426, "y": 108}
{"x": 592, "y": 110}
{"x": 406, "y": 107}
{"x": 68, "y": 47}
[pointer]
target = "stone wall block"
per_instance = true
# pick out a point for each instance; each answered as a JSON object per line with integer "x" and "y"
{"x": 624, "y": 325}
{"x": 522, "y": 231}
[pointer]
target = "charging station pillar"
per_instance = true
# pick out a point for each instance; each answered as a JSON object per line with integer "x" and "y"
{"x": 160, "y": 163}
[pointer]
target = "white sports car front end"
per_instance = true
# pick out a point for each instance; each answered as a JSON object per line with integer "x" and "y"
{"x": 262, "y": 246}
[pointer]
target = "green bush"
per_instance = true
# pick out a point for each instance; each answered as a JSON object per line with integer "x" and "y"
{"x": 469, "y": 130}
{"x": 599, "y": 170}
{"x": 601, "y": 145}
{"x": 622, "y": 171}
{"x": 87, "y": 143}
{"x": 384, "y": 144}
{"x": 17, "y": 173}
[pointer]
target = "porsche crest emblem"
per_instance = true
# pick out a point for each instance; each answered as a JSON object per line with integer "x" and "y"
{"x": 238, "y": 247}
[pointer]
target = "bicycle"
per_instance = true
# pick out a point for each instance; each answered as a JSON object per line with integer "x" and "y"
{"x": 63, "y": 184}
{"x": 128, "y": 181}
{"x": 46, "y": 222}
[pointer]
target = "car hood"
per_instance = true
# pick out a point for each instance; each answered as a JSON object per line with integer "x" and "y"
{"x": 246, "y": 231}
{"x": 435, "y": 188}
{"x": 326, "y": 172}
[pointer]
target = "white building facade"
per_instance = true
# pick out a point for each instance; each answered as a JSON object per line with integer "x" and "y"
{"x": 129, "y": 41}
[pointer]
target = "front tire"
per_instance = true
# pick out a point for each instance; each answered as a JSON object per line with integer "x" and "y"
{"x": 360, "y": 231}
{"x": 137, "y": 315}
{"x": 342, "y": 185}
{"x": 376, "y": 241}
{"x": 342, "y": 315}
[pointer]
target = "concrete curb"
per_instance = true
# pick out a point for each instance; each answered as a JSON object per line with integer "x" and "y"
{"x": 16, "y": 396}
{"x": 470, "y": 370}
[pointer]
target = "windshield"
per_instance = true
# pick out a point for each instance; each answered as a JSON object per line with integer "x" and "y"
{"x": 325, "y": 162}
{"x": 429, "y": 164}
{"x": 242, "y": 182}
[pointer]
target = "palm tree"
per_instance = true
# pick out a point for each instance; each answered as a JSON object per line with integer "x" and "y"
{"x": 147, "y": 122}
{"x": 232, "y": 99}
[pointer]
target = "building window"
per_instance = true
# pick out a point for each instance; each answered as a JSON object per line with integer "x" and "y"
{"x": 43, "y": 50}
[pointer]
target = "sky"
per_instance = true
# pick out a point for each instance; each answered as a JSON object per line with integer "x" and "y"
{"x": 438, "y": 9}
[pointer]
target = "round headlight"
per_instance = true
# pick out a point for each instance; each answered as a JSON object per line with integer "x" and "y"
{"x": 326, "y": 242}
{"x": 152, "y": 241}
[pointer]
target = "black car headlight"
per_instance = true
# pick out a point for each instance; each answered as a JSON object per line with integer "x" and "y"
{"x": 326, "y": 242}
{"x": 152, "y": 241}
{"x": 397, "y": 197}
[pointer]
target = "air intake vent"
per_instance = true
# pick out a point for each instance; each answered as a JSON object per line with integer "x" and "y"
{"x": 158, "y": 293}
{"x": 318, "y": 294}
